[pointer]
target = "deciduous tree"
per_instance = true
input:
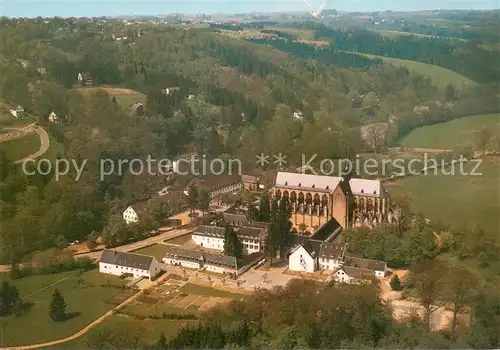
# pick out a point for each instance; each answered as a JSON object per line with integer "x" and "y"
{"x": 483, "y": 139}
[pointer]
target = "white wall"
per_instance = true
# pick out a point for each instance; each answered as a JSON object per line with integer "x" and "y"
{"x": 341, "y": 276}
{"x": 209, "y": 242}
{"x": 155, "y": 268}
{"x": 379, "y": 274}
{"x": 251, "y": 245}
{"x": 216, "y": 269}
{"x": 120, "y": 270}
{"x": 183, "y": 263}
{"x": 329, "y": 264}
{"x": 300, "y": 260}
{"x": 130, "y": 216}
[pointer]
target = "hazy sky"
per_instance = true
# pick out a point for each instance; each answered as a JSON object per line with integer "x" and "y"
{"x": 88, "y": 8}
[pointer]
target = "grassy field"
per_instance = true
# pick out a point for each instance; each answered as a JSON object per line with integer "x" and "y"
{"x": 124, "y": 97}
{"x": 450, "y": 134}
{"x": 462, "y": 202}
{"x": 441, "y": 76}
{"x": 22, "y": 147}
{"x": 87, "y": 297}
{"x": 192, "y": 288}
{"x": 156, "y": 250}
{"x": 180, "y": 240}
{"x": 7, "y": 120}
{"x": 300, "y": 34}
{"x": 148, "y": 329}
{"x": 396, "y": 34}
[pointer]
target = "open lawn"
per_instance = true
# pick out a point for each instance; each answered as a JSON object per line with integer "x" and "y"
{"x": 396, "y": 34}
{"x": 440, "y": 76}
{"x": 462, "y": 202}
{"x": 300, "y": 34}
{"x": 192, "y": 288}
{"x": 19, "y": 148}
{"x": 181, "y": 240}
{"x": 87, "y": 297}
{"x": 7, "y": 120}
{"x": 453, "y": 133}
{"x": 124, "y": 97}
{"x": 156, "y": 250}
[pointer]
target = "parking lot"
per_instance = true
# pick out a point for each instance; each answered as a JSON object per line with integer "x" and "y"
{"x": 264, "y": 279}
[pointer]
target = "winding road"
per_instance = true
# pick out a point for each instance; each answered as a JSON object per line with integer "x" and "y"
{"x": 44, "y": 146}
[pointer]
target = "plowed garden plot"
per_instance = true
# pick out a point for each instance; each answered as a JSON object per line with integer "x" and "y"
{"x": 186, "y": 301}
{"x": 209, "y": 304}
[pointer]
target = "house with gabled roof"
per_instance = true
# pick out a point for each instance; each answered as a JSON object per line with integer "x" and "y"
{"x": 171, "y": 90}
{"x": 354, "y": 275}
{"x": 128, "y": 264}
{"x": 305, "y": 257}
{"x": 217, "y": 185}
{"x": 379, "y": 268}
{"x": 84, "y": 78}
{"x": 331, "y": 255}
{"x": 53, "y": 118}
{"x": 136, "y": 210}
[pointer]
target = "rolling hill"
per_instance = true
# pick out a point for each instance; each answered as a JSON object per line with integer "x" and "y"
{"x": 441, "y": 76}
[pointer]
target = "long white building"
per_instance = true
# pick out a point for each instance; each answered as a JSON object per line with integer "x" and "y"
{"x": 136, "y": 265}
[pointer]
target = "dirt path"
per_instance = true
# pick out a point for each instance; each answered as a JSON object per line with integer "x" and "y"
{"x": 91, "y": 325}
{"x": 44, "y": 146}
{"x": 439, "y": 240}
{"x": 48, "y": 286}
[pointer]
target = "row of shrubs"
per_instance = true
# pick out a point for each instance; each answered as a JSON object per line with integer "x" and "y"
{"x": 168, "y": 316}
{"x": 54, "y": 266}
{"x": 165, "y": 316}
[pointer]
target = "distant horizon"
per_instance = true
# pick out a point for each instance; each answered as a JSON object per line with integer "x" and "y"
{"x": 124, "y": 8}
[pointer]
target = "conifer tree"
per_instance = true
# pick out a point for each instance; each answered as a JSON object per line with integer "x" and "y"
{"x": 57, "y": 307}
{"x": 232, "y": 244}
{"x": 264, "y": 210}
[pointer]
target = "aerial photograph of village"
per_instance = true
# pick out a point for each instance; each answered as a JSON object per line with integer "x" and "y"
{"x": 303, "y": 174}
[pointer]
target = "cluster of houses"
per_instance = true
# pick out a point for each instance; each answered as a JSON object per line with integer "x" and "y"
{"x": 19, "y": 112}
{"x": 320, "y": 203}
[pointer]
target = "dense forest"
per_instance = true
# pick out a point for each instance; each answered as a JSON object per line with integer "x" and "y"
{"x": 468, "y": 58}
{"x": 327, "y": 55}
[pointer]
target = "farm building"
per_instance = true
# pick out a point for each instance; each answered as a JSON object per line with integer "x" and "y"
{"x": 136, "y": 265}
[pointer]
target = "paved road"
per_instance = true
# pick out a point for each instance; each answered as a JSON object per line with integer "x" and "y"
{"x": 44, "y": 146}
{"x": 12, "y": 134}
